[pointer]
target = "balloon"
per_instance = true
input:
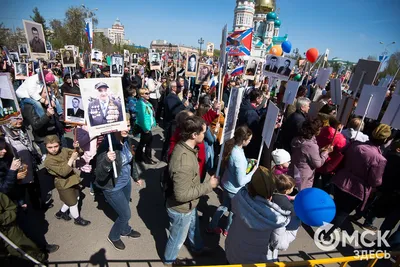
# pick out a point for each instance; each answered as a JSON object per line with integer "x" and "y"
{"x": 276, "y": 50}
{"x": 286, "y": 46}
{"x": 312, "y": 54}
{"x": 314, "y": 206}
{"x": 297, "y": 77}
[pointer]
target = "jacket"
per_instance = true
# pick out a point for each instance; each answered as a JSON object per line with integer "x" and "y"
{"x": 104, "y": 168}
{"x": 154, "y": 88}
{"x": 259, "y": 230}
{"x": 145, "y": 115}
{"x": 173, "y": 105}
{"x": 249, "y": 115}
{"x": 235, "y": 176}
{"x": 306, "y": 157}
{"x": 350, "y": 134}
{"x": 209, "y": 140}
{"x": 97, "y": 117}
{"x": 8, "y": 178}
{"x": 363, "y": 169}
{"x": 185, "y": 176}
{"x": 291, "y": 128}
{"x": 64, "y": 175}
{"x": 42, "y": 126}
{"x": 325, "y": 138}
{"x": 8, "y": 212}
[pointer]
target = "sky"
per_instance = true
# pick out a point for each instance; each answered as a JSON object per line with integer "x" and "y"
{"x": 349, "y": 29}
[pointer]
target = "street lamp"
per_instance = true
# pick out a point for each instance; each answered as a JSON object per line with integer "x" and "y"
{"x": 386, "y": 50}
{"x": 201, "y": 42}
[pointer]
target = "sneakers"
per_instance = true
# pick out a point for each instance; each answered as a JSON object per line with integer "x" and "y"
{"x": 369, "y": 227}
{"x": 82, "y": 222}
{"x": 51, "y": 248}
{"x": 216, "y": 231}
{"x": 62, "y": 215}
{"x": 118, "y": 245}
{"x": 133, "y": 234}
{"x": 225, "y": 233}
{"x": 181, "y": 262}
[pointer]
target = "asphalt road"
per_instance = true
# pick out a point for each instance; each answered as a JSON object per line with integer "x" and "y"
{"x": 88, "y": 246}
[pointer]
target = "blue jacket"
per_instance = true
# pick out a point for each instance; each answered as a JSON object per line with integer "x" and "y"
{"x": 131, "y": 107}
{"x": 249, "y": 115}
{"x": 209, "y": 140}
{"x": 145, "y": 115}
{"x": 235, "y": 176}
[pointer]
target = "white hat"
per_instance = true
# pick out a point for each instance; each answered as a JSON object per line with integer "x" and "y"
{"x": 280, "y": 156}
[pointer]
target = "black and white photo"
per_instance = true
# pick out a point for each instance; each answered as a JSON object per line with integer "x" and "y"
{"x": 75, "y": 112}
{"x": 278, "y": 67}
{"x": 135, "y": 59}
{"x": 204, "y": 72}
{"x": 67, "y": 56}
{"x": 97, "y": 57}
{"x": 117, "y": 65}
{"x": 155, "y": 62}
{"x": 21, "y": 70}
{"x": 23, "y": 49}
{"x": 14, "y": 56}
{"x": 126, "y": 55}
{"x": 191, "y": 67}
{"x": 36, "y": 39}
{"x": 252, "y": 67}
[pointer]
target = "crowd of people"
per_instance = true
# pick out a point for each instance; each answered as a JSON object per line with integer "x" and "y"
{"x": 357, "y": 168}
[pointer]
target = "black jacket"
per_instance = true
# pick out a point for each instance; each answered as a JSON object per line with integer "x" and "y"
{"x": 42, "y": 126}
{"x": 8, "y": 178}
{"x": 291, "y": 128}
{"x": 172, "y": 105}
{"x": 284, "y": 203}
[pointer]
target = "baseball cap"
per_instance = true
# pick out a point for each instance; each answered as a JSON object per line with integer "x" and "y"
{"x": 101, "y": 85}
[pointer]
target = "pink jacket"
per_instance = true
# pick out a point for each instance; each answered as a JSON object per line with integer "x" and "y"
{"x": 363, "y": 169}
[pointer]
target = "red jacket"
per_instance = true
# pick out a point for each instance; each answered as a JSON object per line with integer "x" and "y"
{"x": 201, "y": 157}
{"x": 325, "y": 138}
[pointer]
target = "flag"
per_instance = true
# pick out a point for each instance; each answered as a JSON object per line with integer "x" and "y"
{"x": 239, "y": 43}
{"x": 238, "y": 71}
{"x": 89, "y": 31}
{"x": 383, "y": 58}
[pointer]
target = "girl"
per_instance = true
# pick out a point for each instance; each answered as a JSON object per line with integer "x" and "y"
{"x": 59, "y": 162}
{"x": 281, "y": 159}
{"x": 234, "y": 177}
{"x": 284, "y": 187}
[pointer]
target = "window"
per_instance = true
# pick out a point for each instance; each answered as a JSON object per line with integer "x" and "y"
{"x": 239, "y": 19}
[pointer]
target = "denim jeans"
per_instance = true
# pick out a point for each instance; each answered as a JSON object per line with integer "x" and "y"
{"x": 225, "y": 206}
{"x": 119, "y": 201}
{"x": 182, "y": 225}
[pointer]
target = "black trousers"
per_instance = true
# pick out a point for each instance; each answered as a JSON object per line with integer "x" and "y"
{"x": 145, "y": 142}
{"x": 154, "y": 103}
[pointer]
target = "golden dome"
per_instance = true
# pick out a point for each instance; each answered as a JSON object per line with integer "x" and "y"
{"x": 265, "y": 6}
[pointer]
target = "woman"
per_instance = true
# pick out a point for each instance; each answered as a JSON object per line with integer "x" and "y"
{"x": 154, "y": 90}
{"x": 363, "y": 169}
{"x": 146, "y": 121}
{"x": 59, "y": 162}
{"x": 117, "y": 190}
{"x": 260, "y": 227}
{"x": 209, "y": 137}
{"x": 17, "y": 136}
{"x": 306, "y": 154}
{"x": 234, "y": 177}
{"x": 9, "y": 167}
{"x": 352, "y": 133}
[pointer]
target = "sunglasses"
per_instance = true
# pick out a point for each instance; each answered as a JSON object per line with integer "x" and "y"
{"x": 146, "y": 93}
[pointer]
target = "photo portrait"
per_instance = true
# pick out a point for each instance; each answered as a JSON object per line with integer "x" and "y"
{"x": 191, "y": 67}
{"x": 135, "y": 59}
{"x": 23, "y": 49}
{"x": 21, "y": 70}
{"x": 103, "y": 103}
{"x": 67, "y": 57}
{"x": 117, "y": 66}
{"x": 155, "y": 62}
{"x": 271, "y": 64}
{"x": 278, "y": 67}
{"x": 97, "y": 57}
{"x": 14, "y": 56}
{"x": 252, "y": 67}
{"x": 75, "y": 112}
{"x": 285, "y": 67}
{"x": 203, "y": 73}
{"x": 10, "y": 108}
{"x": 210, "y": 49}
{"x": 52, "y": 55}
{"x": 36, "y": 39}
{"x": 126, "y": 55}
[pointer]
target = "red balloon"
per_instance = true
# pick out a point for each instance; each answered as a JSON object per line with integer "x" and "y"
{"x": 312, "y": 54}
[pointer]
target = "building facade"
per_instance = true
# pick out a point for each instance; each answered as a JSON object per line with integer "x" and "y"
{"x": 163, "y": 45}
{"x": 116, "y": 33}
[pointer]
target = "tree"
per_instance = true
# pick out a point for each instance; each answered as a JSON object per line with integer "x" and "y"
{"x": 38, "y": 18}
{"x": 11, "y": 39}
{"x": 392, "y": 66}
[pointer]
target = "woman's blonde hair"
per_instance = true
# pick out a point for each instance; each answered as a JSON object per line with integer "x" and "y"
{"x": 142, "y": 91}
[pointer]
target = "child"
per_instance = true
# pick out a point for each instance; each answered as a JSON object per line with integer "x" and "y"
{"x": 131, "y": 106}
{"x": 284, "y": 187}
{"x": 281, "y": 159}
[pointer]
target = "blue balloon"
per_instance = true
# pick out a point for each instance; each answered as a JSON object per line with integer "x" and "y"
{"x": 314, "y": 206}
{"x": 286, "y": 46}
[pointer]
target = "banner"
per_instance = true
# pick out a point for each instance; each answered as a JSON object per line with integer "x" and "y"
{"x": 36, "y": 39}
{"x": 278, "y": 67}
{"x": 239, "y": 43}
{"x": 89, "y": 31}
{"x": 210, "y": 49}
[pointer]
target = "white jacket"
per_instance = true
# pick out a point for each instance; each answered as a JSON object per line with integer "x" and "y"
{"x": 154, "y": 88}
{"x": 350, "y": 134}
{"x": 30, "y": 88}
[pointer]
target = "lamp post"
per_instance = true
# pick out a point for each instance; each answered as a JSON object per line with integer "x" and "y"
{"x": 201, "y": 42}
{"x": 90, "y": 14}
{"x": 385, "y": 51}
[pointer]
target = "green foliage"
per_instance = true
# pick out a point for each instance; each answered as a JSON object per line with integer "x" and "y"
{"x": 11, "y": 39}
{"x": 38, "y": 18}
{"x": 392, "y": 66}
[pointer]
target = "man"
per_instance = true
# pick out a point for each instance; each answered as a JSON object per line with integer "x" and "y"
{"x": 75, "y": 111}
{"x": 172, "y": 106}
{"x": 68, "y": 59}
{"x": 272, "y": 67}
{"x": 105, "y": 72}
{"x": 184, "y": 190}
{"x": 36, "y": 44}
{"x": 192, "y": 64}
{"x": 115, "y": 68}
{"x": 154, "y": 60}
{"x": 22, "y": 49}
{"x": 204, "y": 74}
{"x": 293, "y": 123}
{"x": 285, "y": 70}
{"x": 105, "y": 109}
{"x": 96, "y": 56}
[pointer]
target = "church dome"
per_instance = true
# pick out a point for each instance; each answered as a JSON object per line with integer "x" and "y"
{"x": 265, "y": 6}
{"x": 277, "y": 23}
{"x": 117, "y": 22}
{"x": 271, "y": 16}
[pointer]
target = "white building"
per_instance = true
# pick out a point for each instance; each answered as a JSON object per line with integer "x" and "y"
{"x": 116, "y": 33}
{"x": 244, "y": 12}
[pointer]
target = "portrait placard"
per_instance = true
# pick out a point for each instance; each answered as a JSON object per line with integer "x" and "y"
{"x": 67, "y": 56}
{"x": 21, "y": 70}
{"x": 191, "y": 66}
{"x": 75, "y": 113}
{"x": 345, "y": 109}
{"x": 254, "y": 64}
{"x": 291, "y": 92}
{"x": 23, "y": 49}
{"x": 14, "y": 57}
{"x": 378, "y": 97}
{"x": 104, "y": 105}
{"x": 96, "y": 57}
{"x": 117, "y": 66}
{"x": 364, "y": 73}
{"x": 210, "y": 49}
{"x": 126, "y": 55}
{"x": 336, "y": 91}
{"x": 155, "y": 61}
{"x": 323, "y": 76}
{"x": 9, "y": 104}
{"x": 392, "y": 114}
{"x": 278, "y": 67}
{"x": 36, "y": 39}
{"x": 204, "y": 72}
{"x": 269, "y": 124}
{"x": 235, "y": 99}
{"x": 135, "y": 59}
